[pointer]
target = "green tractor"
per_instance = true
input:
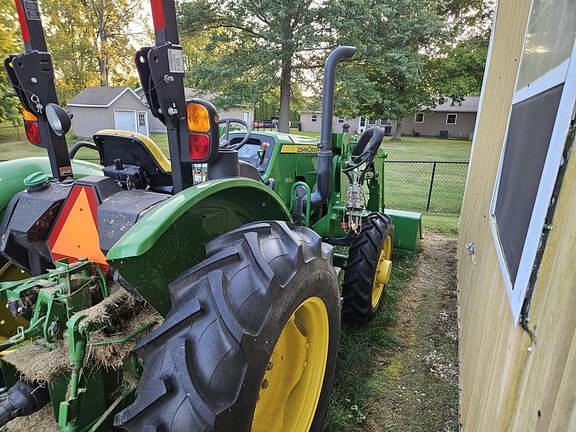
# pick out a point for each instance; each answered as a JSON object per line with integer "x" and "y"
{"x": 137, "y": 295}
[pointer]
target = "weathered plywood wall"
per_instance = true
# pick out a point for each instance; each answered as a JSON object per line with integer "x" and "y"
{"x": 509, "y": 383}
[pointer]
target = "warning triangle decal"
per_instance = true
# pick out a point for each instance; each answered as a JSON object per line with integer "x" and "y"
{"x": 75, "y": 233}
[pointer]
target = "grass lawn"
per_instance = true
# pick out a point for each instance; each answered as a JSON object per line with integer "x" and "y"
{"x": 399, "y": 373}
{"x": 411, "y": 148}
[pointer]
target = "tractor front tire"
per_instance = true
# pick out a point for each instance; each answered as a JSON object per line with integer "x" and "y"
{"x": 250, "y": 343}
{"x": 368, "y": 269}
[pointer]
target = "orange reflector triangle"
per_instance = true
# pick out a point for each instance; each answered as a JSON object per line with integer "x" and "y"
{"x": 75, "y": 233}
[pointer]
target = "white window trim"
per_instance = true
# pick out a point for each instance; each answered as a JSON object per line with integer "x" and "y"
{"x": 517, "y": 293}
{"x": 423, "y": 117}
{"x": 455, "y": 118}
{"x": 145, "y": 121}
{"x": 341, "y": 120}
{"x": 314, "y": 118}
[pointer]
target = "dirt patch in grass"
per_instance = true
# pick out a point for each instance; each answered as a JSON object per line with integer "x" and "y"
{"x": 400, "y": 373}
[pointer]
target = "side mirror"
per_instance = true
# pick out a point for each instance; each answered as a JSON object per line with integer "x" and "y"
{"x": 202, "y": 144}
{"x": 58, "y": 119}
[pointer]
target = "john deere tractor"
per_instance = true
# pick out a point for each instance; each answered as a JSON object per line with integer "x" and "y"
{"x": 139, "y": 295}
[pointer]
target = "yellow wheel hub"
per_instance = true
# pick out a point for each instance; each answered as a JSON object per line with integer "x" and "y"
{"x": 292, "y": 383}
{"x": 383, "y": 271}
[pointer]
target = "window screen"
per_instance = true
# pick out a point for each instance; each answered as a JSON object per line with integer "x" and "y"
{"x": 451, "y": 119}
{"x": 419, "y": 118}
{"x": 529, "y": 133}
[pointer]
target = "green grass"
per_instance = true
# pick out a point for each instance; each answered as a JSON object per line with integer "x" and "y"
{"x": 407, "y": 186}
{"x": 383, "y": 379}
{"x": 359, "y": 346}
{"x": 445, "y": 224}
{"x": 410, "y": 148}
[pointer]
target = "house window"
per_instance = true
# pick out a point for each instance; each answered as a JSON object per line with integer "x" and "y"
{"x": 340, "y": 119}
{"x": 314, "y": 118}
{"x": 371, "y": 121}
{"x": 142, "y": 119}
{"x": 451, "y": 118}
{"x": 419, "y": 117}
{"x": 538, "y": 126}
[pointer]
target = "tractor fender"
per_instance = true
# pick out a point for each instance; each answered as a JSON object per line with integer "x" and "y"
{"x": 171, "y": 236}
{"x": 13, "y": 173}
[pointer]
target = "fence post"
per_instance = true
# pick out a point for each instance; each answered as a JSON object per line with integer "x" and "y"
{"x": 431, "y": 186}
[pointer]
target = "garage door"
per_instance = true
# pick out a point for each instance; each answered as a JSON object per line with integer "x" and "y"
{"x": 125, "y": 120}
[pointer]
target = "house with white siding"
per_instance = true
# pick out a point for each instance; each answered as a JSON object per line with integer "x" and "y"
{"x": 97, "y": 108}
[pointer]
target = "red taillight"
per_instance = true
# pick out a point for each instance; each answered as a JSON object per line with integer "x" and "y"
{"x": 198, "y": 147}
{"x": 32, "y": 132}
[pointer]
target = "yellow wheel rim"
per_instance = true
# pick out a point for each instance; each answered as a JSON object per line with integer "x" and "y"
{"x": 292, "y": 383}
{"x": 383, "y": 271}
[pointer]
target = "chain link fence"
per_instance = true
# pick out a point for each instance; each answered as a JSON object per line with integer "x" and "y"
{"x": 425, "y": 186}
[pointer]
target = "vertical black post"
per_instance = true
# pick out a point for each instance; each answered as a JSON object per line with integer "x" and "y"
{"x": 383, "y": 203}
{"x": 431, "y": 186}
{"x": 33, "y": 81}
{"x": 161, "y": 71}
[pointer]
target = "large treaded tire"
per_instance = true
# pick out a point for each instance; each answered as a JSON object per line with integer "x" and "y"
{"x": 361, "y": 269}
{"x": 203, "y": 368}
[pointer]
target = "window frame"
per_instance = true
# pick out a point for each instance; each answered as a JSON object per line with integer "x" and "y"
{"x": 564, "y": 73}
{"x": 416, "y": 116}
{"x": 314, "y": 118}
{"x": 341, "y": 120}
{"x": 455, "y": 118}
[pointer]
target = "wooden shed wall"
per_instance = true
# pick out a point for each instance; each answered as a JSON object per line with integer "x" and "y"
{"x": 508, "y": 382}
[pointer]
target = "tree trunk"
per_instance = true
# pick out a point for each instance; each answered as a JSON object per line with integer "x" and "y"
{"x": 103, "y": 52}
{"x": 285, "y": 90}
{"x": 398, "y": 132}
{"x": 103, "y": 70}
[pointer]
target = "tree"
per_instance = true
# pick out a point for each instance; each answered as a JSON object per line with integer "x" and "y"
{"x": 393, "y": 37}
{"x": 91, "y": 42}
{"x": 8, "y": 45}
{"x": 460, "y": 70}
{"x": 254, "y": 47}
{"x": 457, "y": 68}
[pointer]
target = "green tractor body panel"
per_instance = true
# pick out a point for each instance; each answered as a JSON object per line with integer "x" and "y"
{"x": 13, "y": 173}
{"x": 170, "y": 238}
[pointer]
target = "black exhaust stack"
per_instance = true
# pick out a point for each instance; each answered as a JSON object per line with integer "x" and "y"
{"x": 324, "y": 169}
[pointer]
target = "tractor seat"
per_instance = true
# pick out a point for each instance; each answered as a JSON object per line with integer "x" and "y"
{"x": 127, "y": 153}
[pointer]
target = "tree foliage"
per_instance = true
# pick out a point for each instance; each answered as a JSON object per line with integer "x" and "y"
{"x": 388, "y": 78}
{"x": 8, "y": 45}
{"x": 91, "y": 42}
{"x": 254, "y": 47}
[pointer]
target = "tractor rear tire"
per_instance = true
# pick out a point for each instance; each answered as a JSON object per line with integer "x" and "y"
{"x": 365, "y": 277}
{"x": 212, "y": 365}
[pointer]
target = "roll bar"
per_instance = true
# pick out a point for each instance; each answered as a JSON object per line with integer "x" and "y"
{"x": 32, "y": 77}
{"x": 161, "y": 72}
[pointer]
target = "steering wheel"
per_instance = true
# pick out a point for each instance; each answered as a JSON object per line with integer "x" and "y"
{"x": 225, "y": 140}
